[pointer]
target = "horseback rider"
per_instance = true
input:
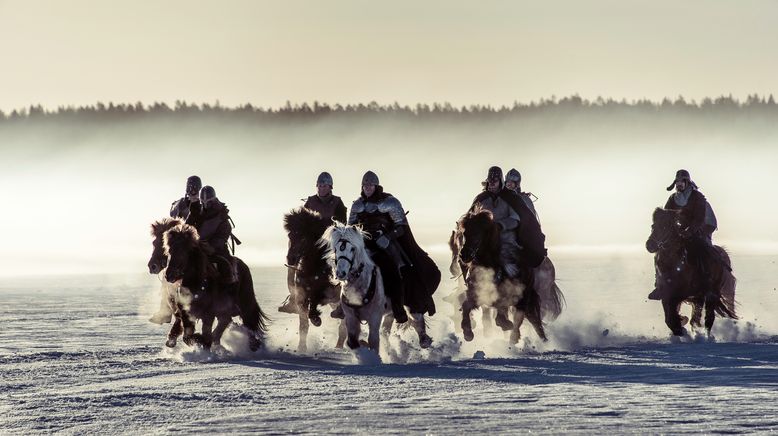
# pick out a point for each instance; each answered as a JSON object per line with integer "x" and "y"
{"x": 410, "y": 276}
{"x": 180, "y": 208}
{"x": 513, "y": 183}
{"x": 493, "y": 200}
{"x": 696, "y": 220}
{"x": 212, "y": 220}
{"x": 329, "y": 206}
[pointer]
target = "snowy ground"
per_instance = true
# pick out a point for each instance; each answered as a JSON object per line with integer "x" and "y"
{"x": 77, "y": 355}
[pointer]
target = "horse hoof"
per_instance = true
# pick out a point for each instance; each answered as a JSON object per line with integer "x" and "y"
{"x": 425, "y": 341}
{"x": 353, "y": 344}
{"x": 468, "y": 335}
{"x": 254, "y": 343}
{"x": 189, "y": 340}
{"x": 170, "y": 343}
{"x": 315, "y": 320}
{"x": 684, "y": 320}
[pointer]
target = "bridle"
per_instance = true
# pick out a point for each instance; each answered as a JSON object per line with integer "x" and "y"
{"x": 353, "y": 273}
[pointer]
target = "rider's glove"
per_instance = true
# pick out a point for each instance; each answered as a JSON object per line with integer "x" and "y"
{"x": 382, "y": 242}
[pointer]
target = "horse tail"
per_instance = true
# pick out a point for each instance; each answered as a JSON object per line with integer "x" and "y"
{"x": 552, "y": 301}
{"x": 254, "y": 318}
{"x": 726, "y": 287}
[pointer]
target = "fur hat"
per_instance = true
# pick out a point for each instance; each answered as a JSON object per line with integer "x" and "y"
{"x": 370, "y": 178}
{"x": 681, "y": 175}
{"x": 324, "y": 179}
{"x": 494, "y": 173}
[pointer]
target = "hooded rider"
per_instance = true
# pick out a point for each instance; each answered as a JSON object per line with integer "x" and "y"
{"x": 180, "y": 208}
{"x": 410, "y": 276}
{"x": 212, "y": 221}
{"x": 697, "y": 221}
{"x": 330, "y": 207}
{"x": 513, "y": 183}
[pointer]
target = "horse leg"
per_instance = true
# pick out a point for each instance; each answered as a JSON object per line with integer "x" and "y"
{"x": 421, "y": 329}
{"x": 518, "y": 319}
{"x": 533, "y": 316}
{"x": 221, "y": 326}
{"x": 487, "y": 320}
{"x": 386, "y": 326}
{"x": 302, "y": 344}
{"x": 467, "y": 327}
{"x": 374, "y": 335}
{"x": 354, "y": 328}
{"x": 697, "y": 305}
{"x": 711, "y": 301}
{"x": 205, "y": 339}
{"x": 176, "y": 329}
{"x": 166, "y": 305}
{"x": 672, "y": 318}
{"x": 314, "y": 314}
{"x": 341, "y": 329}
{"x": 501, "y": 319}
{"x": 189, "y": 326}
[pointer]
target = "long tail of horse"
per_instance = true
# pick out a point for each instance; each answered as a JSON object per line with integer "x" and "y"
{"x": 726, "y": 286}
{"x": 552, "y": 301}
{"x": 254, "y": 318}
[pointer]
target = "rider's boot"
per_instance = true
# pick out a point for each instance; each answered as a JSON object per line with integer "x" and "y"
{"x": 288, "y": 306}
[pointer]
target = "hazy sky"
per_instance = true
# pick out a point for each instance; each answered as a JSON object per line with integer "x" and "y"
{"x": 78, "y": 52}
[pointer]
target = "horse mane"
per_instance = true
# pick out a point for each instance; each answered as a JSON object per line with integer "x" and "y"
{"x": 182, "y": 236}
{"x": 304, "y": 220}
{"x": 479, "y": 215}
{"x": 159, "y": 227}
{"x": 353, "y": 234}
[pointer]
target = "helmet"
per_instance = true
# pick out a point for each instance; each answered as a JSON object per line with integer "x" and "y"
{"x": 207, "y": 193}
{"x": 193, "y": 185}
{"x": 370, "y": 178}
{"x": 513, "y": 176}
{"x": 324, "y": 179}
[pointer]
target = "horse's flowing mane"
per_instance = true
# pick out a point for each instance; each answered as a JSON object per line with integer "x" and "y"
{"x": 305, "y": 221}
{"x": 158, "y": 228}
{"x": 180, "y": 236}
{"x": 352, "y": 234}
{"x": 479, "y": 215}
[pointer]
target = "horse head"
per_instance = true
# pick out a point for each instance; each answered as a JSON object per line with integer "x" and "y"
{"x": 304, "y": 228}
{"x": 665, "y": 229}
{"x": 479, "y": 233}
{"x": 346, "y": 249}
{"x": 158, "y": 260}
{"x": 180, "y": 242}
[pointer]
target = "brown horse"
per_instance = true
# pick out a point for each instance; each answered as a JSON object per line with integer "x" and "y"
{"x": 476, "y": 244}
{"x": 310, "y": 285}
{"x": 690, "y": 270}
{"x": 201, "y": 295}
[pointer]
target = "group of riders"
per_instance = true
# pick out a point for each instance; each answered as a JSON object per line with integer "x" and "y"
{"x": 410, "y": 276}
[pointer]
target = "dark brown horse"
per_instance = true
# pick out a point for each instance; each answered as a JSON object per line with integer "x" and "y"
{"x": 690, "y": 270}
{"x": 477, "y": 244}
{"x": 201, "y": 295}
{"x": 310, "y": 285}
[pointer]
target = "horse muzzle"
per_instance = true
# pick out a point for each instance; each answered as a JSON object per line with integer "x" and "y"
{"x": 154, "y": 268}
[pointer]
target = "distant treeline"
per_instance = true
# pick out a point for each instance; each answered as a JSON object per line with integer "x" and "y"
{"x": 724, "y": 105}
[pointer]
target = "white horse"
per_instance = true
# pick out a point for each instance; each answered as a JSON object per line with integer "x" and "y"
{"x": 362, "y": 292}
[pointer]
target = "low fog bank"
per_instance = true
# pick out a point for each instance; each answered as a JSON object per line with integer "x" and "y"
{"x": 83, "y": 193}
